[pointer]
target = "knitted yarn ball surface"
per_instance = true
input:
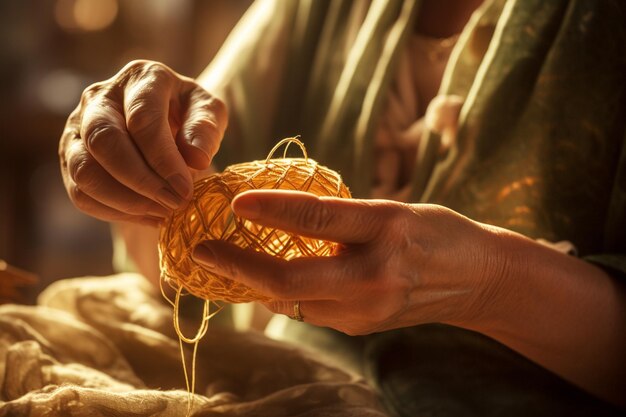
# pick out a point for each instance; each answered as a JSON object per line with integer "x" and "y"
{"x": 208, "y": 216}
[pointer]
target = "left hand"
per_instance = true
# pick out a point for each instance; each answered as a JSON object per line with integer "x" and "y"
{"x": 399, "y": 264}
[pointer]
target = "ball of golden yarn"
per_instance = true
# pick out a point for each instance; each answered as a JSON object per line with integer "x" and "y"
{"x": 209, "y": 217}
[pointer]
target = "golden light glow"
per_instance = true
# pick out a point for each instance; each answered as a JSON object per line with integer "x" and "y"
{"x": 85, "y": 15}
{"x": 64, "y": 14}
{"x": 525, "y": 182}
{"x": 94, "y": 15}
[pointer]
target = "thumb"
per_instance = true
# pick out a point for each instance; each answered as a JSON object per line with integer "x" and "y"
{"x": 202, "y": 129}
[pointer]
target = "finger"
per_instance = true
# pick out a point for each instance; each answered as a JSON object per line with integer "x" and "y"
{"x": 94, "y": 208}
{"x": 307, "y": 278}
{"x": 147, "y": 108}
{"x": 328, "y": 218}
{"x": 318, "y": 312}
{"x": 348, "y": 318}
{"x": 98, "y": 184}
{"x": 105, "y": 137}
{"x": 202, "y": 128}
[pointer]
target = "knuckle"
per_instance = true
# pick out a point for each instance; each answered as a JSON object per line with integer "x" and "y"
{"x": 157, "y": 71}
{"x": 63, "y": 160}
{"x": 92, "y": 91}
{"x": 81, "y": 200}
{"x": 99, "y": 135}
{"x": 140, "y": 69}
{"x": 396, "y": 224}
{"x": 104, "y": 93}
{"x": 160, "y": 159}
{"x": 147, "y": 183}
{"x": 82, "y": 171}
{"x": 143, "y": 108}
{"x": 205, "y": 129}
{"x": 147, "y": 75}
{"x": 134, "y": 66}
{"x": 72, "y": 124}
{"x": 415, "y": 245}
{"x": 230, "y": 270}
{"x": 314, "y": 216}
{"x": 70, "y": 133}
{"x": 396, "y": 218}
{"x": 207, "y": 104}
{"x": 219, "y": 108}
{"x": 139, "y": 115}
{"x": 129, "y": 72}
{"x": 205, "y": 107}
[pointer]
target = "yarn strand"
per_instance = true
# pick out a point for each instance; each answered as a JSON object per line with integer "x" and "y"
{"x": 209, "y": 217}
{"x": 287, "y": 141}
{"x": 190, "y": 383}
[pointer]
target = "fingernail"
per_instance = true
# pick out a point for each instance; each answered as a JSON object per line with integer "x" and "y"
{"x": 204, "y": 256}
{"x": 168, "y": 199}
{"x": 248, "y": 208}
{"x": 181, "y": 185}
{"x": 198, "y": 143}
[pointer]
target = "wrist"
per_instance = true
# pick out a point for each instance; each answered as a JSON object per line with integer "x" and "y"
{"x": 561, "y": 312}
{"x": 501, "y": 264}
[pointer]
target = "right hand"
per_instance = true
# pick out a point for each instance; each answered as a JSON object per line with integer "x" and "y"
{"x": 128, "y": 151}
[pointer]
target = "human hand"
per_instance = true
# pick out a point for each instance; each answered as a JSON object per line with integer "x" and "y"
{"x": 128, "y": 151}
{"x": 399, "y": 264}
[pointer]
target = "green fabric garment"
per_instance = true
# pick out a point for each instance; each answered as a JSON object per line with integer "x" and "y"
{"x": 541, "y": 147}
{"x": 543, "y": 127}
{"x": 325, "y": 81}
{"x": 541, "y": 150}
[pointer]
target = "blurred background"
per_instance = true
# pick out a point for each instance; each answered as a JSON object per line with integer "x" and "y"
{"x": 50, "y": 51}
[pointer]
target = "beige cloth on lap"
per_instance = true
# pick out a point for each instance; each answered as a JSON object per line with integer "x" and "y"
{"x": 106, "y": 347}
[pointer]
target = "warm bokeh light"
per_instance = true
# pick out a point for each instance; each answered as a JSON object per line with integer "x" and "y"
{"x": 60, "y": 90}
{"x": 95, "y": 14}
{"x": 64, "y": 14}
{"x": 85, "y": 15}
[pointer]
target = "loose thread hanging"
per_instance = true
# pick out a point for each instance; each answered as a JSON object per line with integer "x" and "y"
{"x": 209, "y": 217}
{"x": 202, "y": 330}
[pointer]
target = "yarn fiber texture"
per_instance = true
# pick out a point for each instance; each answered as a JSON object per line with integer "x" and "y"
{"x": 208, "y": 216}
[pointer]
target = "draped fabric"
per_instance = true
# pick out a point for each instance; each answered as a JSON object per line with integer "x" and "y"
{"x": 99, "y": 346}
{"x": 540, "y": 144}
{"x": 542, "y": 127}
{"x": 320, "y": 69}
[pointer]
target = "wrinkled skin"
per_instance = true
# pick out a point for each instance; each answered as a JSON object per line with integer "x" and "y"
{"x": 399, "y": 264}
{"x": 130, "y": 149}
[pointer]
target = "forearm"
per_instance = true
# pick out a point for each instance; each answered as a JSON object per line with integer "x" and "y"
{"x": 139, "y": 245}
{"x": 561, "y": 312}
